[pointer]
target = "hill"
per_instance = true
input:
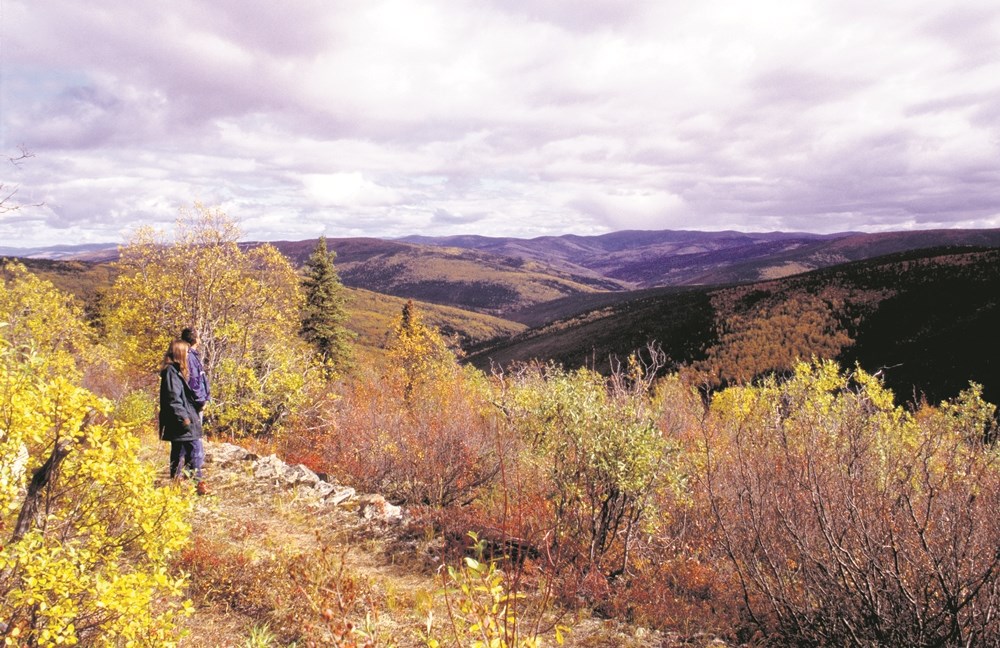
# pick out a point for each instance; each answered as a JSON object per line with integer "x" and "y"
{"x": 637, "y": 258}
{"x": 468, "y": 279}
{"x": 86, "y": 280}
{"x": 927, "y": 314}
{"x": 928, "y": 318}
{"x": 372, "y": 316}
{"x": 679, "y": 319}
{"x": 509, "y": 277}
{"x": 657, "y": 258}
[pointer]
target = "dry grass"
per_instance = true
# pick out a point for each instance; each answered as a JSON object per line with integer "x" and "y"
{"x": 264, "y": 558}
{"x": 254, "y": 550}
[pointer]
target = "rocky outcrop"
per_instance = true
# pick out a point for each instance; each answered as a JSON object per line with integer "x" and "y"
{"x": 376, "y": 507}
{"x": 278, "y": 474}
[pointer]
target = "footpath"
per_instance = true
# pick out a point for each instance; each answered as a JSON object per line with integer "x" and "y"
{"x": 364, "y": 565}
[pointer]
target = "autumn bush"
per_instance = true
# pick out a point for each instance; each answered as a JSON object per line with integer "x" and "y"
{"x": 306, "y": 596}
{"x": 601, "y": 455}
{"x": 678, "y": 580}
{"x": 850, "y": 521}
{"x": 419, "y": 429}
{"x": 244, "y": 303}
{"x": 89, "y": 536}
{"x": 37, "y": 317}
{"x": 485, "y": 607}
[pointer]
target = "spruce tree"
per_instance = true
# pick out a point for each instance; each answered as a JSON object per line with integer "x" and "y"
{"x": 324, "y": 314}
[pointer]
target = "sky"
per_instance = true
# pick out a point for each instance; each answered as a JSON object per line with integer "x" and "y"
{"x": 497, "y": 117}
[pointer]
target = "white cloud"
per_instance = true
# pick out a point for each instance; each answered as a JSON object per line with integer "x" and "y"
{"x": 346, "y": 190}
{"x": 535, "y": 118}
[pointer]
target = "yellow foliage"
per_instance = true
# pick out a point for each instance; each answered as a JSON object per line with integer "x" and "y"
{"x": 244, "y": 304}
{"x": 35, "y": 315}
{"x": 825, "y": 493}
{"x": 483, "y": 611}
{"x": 417, "y": 354}
{"x": 93, "y": 568}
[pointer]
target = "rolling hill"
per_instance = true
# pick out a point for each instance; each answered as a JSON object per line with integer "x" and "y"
{"x": 927, "y": 319}
{"x": 508, "y": 277}
{"x": 372, "y": 316}
{"x": 643, "y": 259}
{"x": 928, "y": 315}
{"x": 463, "y": 278}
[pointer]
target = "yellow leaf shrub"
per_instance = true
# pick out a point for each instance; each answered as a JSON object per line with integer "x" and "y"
{"x": 850, "y": 521}
{"x": 90, "y": 566}
{"x": 35, "y": 315}
{"x": 244, "y": 303}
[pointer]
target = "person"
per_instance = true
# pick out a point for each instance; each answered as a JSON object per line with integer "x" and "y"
{"x": 198, "y": 380}
{"x": 179, "y": 420}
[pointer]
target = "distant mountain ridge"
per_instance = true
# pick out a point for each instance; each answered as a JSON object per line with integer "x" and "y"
{"x": 509, "y": 277}
{"x": 646, "y": 259}
{"x": 82, "y": 252}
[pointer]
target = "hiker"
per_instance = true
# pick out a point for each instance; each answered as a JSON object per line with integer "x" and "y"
{"x": 180, "y": 423}
{"x": 197, "y": 379}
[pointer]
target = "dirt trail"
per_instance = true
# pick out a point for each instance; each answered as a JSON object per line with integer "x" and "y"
{"x": 261, "y": 521}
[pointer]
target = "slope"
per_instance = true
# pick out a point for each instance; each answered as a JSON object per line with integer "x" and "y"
{"x": 468, "y": 279}
{"x": 926, "y": 318}
{"x": 657, "y": 258}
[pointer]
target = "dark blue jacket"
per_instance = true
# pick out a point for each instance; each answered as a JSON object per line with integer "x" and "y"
{"x": 179, "y": 420}
{"x": 198, "y": 380}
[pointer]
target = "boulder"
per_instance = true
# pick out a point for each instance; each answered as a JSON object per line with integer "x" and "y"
{"x": 269, "y": 467}
{"x": 340, "y": 495}
{"x": 275, "y": 470}
{"x": 377, "y": 508}
{"x": 224, "y": 454}
{"x": 299, "y": 474}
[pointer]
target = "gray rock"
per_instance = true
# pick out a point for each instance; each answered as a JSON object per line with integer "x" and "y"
{"x": 340, "y": 495}
{"x": 299, "y": 474}
{"x": 275, "y": 470}
{"x": 269, "y": 467}
{"x": 226, "y": 453}
{"x": 375, "y": 507}
{"x": 324, "y": 489}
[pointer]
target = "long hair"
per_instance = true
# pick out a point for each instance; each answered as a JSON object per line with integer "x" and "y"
{"x": 177, "y": 354}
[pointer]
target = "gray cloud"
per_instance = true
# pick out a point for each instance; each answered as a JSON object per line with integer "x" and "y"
{"x": 507, "y": 118}
{"x": 445, "y": 217}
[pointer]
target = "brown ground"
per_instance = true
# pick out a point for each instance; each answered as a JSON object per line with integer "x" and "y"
{"x": 395, "y": 571}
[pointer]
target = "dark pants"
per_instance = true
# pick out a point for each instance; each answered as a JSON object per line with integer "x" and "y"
{"x": 192, "y": 454}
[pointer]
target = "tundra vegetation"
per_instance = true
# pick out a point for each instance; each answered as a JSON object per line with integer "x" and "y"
{"x": 804, "y": 507}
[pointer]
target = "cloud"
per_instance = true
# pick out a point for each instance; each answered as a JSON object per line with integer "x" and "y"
{"x": 390, "y": 117}
{"x": 346, "y": 190}
{"x": 445, "y": 217}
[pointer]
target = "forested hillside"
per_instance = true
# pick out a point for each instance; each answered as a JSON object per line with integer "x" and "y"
{"x": 923, "y": 318}
{"x": 659, "y": 258}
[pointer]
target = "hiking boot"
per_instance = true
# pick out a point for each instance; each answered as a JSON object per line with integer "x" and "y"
{"x": 201, "y": 488}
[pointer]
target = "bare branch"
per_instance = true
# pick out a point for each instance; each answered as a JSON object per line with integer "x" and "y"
{"x": 7, "y": 192}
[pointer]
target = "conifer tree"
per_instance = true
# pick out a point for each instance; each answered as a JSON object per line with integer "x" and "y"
{"x": 325, "y": 313}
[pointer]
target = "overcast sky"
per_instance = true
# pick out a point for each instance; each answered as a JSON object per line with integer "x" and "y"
{"x": 499, "y": 117}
